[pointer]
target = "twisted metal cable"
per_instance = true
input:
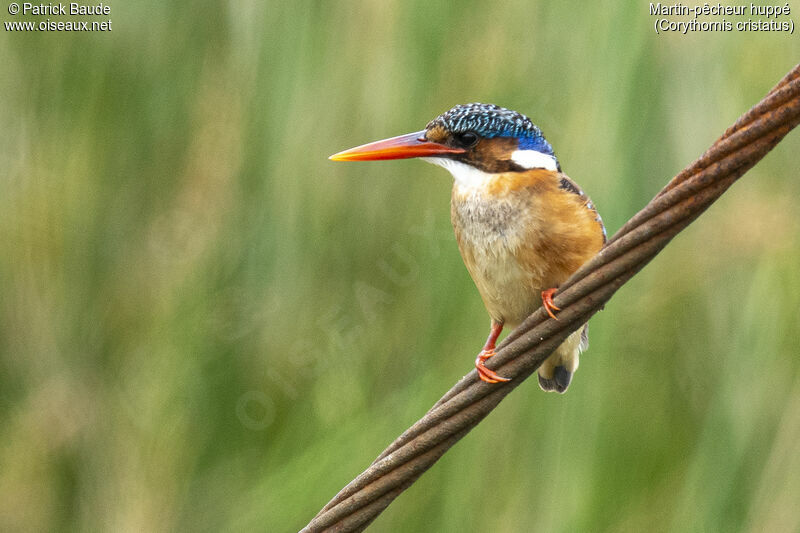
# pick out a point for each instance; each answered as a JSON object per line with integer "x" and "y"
{"x": 682, "y": 200}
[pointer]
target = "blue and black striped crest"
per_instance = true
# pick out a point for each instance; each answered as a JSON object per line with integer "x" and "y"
{"x": 489, "y": 120}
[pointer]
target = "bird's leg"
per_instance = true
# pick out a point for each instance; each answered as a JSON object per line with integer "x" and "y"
{"x": 487, "y": 375}
{"x": 547, "y": 302}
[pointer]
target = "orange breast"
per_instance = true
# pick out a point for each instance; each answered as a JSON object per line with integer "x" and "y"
{"x": 520, "y": 233}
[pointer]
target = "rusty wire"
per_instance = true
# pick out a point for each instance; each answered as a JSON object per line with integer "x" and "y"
{"x": 682, "y": 200}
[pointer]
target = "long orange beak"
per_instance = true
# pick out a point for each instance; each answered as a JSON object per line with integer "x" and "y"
{"x": 401, "y": 147}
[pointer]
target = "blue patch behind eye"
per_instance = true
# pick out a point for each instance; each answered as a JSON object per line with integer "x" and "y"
{"x": 539, "y": 144}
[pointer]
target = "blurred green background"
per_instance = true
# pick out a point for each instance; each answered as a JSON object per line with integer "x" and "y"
{"x": 205, "y": 325}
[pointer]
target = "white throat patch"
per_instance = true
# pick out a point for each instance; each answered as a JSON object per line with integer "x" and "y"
{"x": 469, "y": 177}
{"x": 534, "y": 159}
{"x": 466, "y": 176}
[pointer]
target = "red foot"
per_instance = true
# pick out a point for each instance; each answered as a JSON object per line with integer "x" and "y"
{"x": 486, "y": 374}
{"x": 489, "y": 376}
{"x": 547, "y": 302}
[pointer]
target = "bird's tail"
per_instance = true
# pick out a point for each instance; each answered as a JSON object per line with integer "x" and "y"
{"x": 555, "y": 374}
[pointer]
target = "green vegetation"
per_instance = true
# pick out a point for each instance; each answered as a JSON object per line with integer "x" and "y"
{"x": 205, "y": 325}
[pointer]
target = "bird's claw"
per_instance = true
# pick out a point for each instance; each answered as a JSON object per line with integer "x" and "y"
{"x": 547, "y": 303}
{"x": 486, "y": 374}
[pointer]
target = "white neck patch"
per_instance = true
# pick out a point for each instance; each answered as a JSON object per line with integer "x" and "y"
{"x": 469, "y": 177}
{"x": 534, "y": 159}
{"x": 466, "y": 176}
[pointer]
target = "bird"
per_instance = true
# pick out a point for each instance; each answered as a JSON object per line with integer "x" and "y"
{"x": 521, "y": 224}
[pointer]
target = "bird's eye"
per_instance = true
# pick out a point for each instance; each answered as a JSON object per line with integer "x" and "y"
{"x": 466, "y": 139}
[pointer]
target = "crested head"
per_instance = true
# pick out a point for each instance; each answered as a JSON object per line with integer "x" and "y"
{"x": 494, "y": 140}
{"x": 490, "y": 121}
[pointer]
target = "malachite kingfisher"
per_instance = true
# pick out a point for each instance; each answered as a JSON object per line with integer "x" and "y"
{"x": 522, "y": 226}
